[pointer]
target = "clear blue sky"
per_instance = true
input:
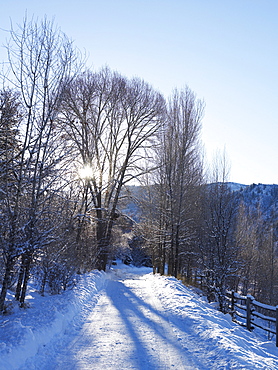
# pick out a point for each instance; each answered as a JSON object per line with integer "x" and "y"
{"x": 226, "y": 51}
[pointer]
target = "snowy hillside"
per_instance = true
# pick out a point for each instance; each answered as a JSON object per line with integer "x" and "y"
{"x": 263, "y": 196}
{"x": 254, "y": 196}
{"x": 234, "y": 186}
{"x": 128, "y": 318}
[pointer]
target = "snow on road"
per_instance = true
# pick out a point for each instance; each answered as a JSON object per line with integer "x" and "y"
{"x": 141, "y": 321}
{"x": 128, "y": 329}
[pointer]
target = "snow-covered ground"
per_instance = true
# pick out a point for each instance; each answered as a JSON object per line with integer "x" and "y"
{"x": 128, "y": 319}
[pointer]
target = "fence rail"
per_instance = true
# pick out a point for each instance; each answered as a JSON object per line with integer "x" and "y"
{"x": 247, "y": 308}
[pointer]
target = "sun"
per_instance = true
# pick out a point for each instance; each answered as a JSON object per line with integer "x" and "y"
{"x": 86, "y": 172}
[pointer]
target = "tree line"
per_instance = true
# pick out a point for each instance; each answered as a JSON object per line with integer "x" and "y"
{"x": 73, "y": 139}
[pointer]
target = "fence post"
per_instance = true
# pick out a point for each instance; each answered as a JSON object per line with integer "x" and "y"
{"x": 276, "y": 326}
{"x": 249, "y": 299}
{"x": 233, "y": 304}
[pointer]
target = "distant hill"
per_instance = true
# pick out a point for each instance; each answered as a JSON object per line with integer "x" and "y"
{"x": 234, "y": 186}
{"x": 263, "y": 197}
{"x": 255, "y": 196}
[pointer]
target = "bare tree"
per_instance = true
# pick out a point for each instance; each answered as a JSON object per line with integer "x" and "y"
{"x": 110, "y": 121}
{"x": 10, "y": 117}
{"x": 40, "y": 60}
{"x": 178, "y": 179}
{"x": 258, "y": 272}
{"x": 218, "y": 247}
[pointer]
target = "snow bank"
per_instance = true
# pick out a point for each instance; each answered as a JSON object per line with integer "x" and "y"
{"x": 25, "y": 330}
{"x": 213, "y": 335}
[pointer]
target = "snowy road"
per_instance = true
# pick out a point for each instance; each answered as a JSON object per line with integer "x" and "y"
{"x": 128, "y": 329}
{"x": 142, "y": 322}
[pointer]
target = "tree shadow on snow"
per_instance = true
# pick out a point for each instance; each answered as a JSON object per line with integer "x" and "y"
{"x": 134, "y": 311}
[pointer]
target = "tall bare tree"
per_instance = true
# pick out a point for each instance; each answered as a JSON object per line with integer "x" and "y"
{"x": 40, "y": 62}
{"x": 10, "y": 117}
{"x": 110, "y": 121}
{"x": 178, "y": 178}
{"x": 183, "y": 171}
{"x": 218, "y": 246}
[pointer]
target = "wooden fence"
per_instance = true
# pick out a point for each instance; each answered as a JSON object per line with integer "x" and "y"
{"x": 248, "y": 312}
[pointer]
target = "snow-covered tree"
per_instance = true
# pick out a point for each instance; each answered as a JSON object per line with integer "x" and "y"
{"x": 10, "y": 118}
{"x": 40, "y": 65}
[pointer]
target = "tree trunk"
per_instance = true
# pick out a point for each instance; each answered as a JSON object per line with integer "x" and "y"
{"x": 20, "y": 278}
{"x": 176, "y": 265}
{"x": 5, "y": 284}
{"x": 102, "y": 242}
{"x": 26, "y": 278}
{"x": 163, "y": 258}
